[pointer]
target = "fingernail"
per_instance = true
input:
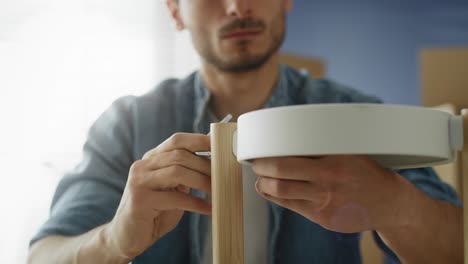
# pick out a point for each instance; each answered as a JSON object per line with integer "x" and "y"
{"x": 257, "y": 188}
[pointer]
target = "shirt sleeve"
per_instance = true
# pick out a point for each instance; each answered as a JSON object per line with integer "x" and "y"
{"x": 426, "y": 180}
{"x": 89, "y": 195}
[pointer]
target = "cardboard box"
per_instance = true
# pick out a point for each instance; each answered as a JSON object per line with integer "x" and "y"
{"x": 444, "y": 84}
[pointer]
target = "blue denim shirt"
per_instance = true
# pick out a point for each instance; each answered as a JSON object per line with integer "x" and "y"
{"x": 89, "y": 195}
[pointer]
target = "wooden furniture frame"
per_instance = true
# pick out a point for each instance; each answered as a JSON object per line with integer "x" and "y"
{"x": 226, "y": 196}
{"x": 464, "y": 157}
{"x": 228, "y": 239}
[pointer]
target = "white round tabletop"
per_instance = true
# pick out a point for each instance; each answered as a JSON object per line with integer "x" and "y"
{"x": 395, "y": 136}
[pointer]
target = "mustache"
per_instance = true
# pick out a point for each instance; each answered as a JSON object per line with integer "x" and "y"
{"x": 242, "y": 24}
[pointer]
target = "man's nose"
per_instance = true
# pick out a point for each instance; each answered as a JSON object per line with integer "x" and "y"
{"x": 239, "y": 8}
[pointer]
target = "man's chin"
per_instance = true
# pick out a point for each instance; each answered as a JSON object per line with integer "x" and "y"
{"x": 240, "y": 65}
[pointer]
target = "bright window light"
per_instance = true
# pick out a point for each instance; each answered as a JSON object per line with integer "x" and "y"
{"x": 61, "y": 64}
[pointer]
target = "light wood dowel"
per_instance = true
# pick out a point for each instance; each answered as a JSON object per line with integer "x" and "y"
{"x": 226, "y": 185}
{"x": 464, "y": 161}
{"x": 464, "y": 113}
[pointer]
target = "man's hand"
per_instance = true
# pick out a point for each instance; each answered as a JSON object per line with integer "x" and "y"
{"x": 157, "y": 194}
{"x": 340, "y": 193}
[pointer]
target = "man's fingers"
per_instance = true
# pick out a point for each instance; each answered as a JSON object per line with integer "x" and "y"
{"x": 291, "y": 168}
{"x": 163, "y": 201}
{"x": 188, "y": 141}
{"x": 174, "y": 176}
{"x": 305, "y": 208}
{"x": 292, "y": 189}
{"x": 180, "y": 157}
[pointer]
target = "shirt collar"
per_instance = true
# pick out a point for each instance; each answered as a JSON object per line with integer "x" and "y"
{"x": 201, "y": 106}
{"x": 281, "y": 96}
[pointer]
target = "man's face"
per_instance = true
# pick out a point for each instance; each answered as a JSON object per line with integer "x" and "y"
{"x": 234, "y": 35}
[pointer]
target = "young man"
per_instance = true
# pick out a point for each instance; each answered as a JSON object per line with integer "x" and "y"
{"x": 139, "y": 197}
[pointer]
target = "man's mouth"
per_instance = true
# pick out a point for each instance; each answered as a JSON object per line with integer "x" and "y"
{"x": 241, "y": 34}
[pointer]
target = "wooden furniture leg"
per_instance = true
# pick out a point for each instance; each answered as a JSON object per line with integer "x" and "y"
{"x": 464, "y": 162}
{"x": 226, "y": 186}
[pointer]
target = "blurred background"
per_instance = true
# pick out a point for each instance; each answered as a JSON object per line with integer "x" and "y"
{"x": 63, "y": 62}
